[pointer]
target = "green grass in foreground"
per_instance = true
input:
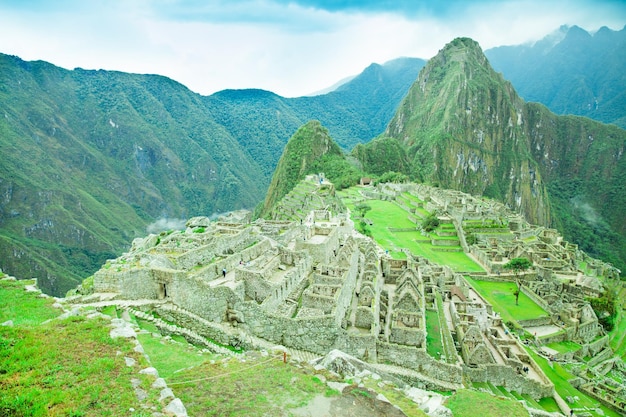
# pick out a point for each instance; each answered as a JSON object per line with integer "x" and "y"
{"x": 65, "y": 367}
{"x": 169, "y": 356}
{"x": 468, "y": 403}
{"x": 245, "y": 387}
{"x": 397, "y": 398}
{"x": 24, "y": 308}
{"x": 500, "y": 296}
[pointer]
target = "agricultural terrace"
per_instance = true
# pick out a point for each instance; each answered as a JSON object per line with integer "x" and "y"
{"x": 387, "y": 222}
{"x": 501, "y": 296}
{"x": 560, "y": 377}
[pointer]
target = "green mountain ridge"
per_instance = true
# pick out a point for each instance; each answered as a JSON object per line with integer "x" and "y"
{"x": 570, "y": 71}
{"x": 310, "y": 150}
{"x": 94, "y": 157}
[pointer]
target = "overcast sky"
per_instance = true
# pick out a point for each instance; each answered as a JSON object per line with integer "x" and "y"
{"x": 290, "y": 47}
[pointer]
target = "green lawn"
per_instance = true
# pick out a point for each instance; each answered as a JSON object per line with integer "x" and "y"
{"x": 24, "y": 309}
{"x": 65, "y": 367}
{"x": 433, "y": 334}
{"x": 468, "y": 403}
{"x": 169, "y": 357}
{"x": 564, "y": 347}
{"x": 386, "y": 214}
{"x": 617, "y": 337}
{"x": 500, "y": 296}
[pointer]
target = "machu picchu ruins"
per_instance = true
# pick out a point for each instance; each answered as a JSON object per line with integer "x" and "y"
{"x": 305, "y": 278}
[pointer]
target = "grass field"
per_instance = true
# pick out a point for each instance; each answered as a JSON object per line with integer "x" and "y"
{"x": 385, "y": 215}
{"x": 246, "y": 387}
{"x": 433, "y": 334}
{"x": 500, "y": 296}
{"x": 65, "y": 367}
{"x": 468, "y": 403}
{"x": 617, "y": 337}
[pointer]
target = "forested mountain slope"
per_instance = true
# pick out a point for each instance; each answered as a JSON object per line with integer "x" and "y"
{"x": 90, "y": 158}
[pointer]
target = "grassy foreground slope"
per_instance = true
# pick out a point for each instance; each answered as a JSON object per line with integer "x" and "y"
{"x": 68, "y": 367}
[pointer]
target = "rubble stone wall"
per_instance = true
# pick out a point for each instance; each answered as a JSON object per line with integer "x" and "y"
{"x": 509, "y": 378}
{"x": 416, "y": 358}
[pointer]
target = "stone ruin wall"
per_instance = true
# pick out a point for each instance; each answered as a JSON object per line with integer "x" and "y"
{"x": 501, "y": 375}
{"x": 416, "y": 358}
{"x": 313, "y": 334}
{"x": 210, "y": 303}
{"x": 320, "y": 252}
{"x": 280, "y": 291}
{"x": 233, "y": 242}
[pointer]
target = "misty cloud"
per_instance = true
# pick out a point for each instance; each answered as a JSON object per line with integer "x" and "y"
{"x": 588, "y": 213}
{"x": 164, "y": 224}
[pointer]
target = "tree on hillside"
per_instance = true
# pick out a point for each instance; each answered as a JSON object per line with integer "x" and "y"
{"x": 606, "y": 307}
{"x": 518, "y": 265}
{"x": 362, "y": 209}
{"x": 430, "y": 223}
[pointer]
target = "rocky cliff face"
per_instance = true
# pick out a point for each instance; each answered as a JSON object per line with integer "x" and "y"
{"x": 464, "y": 127}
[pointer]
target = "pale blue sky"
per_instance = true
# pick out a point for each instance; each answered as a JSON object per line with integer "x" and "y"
{"x": 289, "y": 47}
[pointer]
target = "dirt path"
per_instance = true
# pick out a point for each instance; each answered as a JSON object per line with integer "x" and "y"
{"x": 353, "y": 402}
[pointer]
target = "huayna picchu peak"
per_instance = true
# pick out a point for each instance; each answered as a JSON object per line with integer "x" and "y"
{"x": 463, "y": 126}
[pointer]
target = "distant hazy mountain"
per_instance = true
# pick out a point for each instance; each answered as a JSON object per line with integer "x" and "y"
{"x": 91, "y": 158}
{"x": 571, "y": 71}
{"x": 463, "y": 126}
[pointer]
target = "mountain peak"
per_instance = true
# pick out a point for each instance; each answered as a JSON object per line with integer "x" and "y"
{"x": 310, "y": 142}
{"x": 460, "y": 121}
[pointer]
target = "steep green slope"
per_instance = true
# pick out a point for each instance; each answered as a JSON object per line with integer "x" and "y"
{"x": 361, "y": 109}
{"x": 357, "y": 111}
{"x": 309, "y": 150}
{"x": 92, "y": 157}
{"x": 464, "y": 127}
{"x": 571, "y": 72}
{"x": 461, "y": 124}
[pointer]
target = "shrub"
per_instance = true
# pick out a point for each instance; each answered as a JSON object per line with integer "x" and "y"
{"x": 430, "y": 223}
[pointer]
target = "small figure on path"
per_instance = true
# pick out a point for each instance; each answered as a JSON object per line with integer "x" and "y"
{"x": 224, "y": 272}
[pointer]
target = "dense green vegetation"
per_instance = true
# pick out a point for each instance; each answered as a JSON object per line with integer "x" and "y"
{"x": 560, "y": 171}
{"x": 97, "y": 156}
{"x": 309, "y": 151}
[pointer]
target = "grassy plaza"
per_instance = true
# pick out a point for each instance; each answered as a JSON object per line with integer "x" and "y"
{"x": 385, "y": 221}
{"x": 501, "y": 296}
